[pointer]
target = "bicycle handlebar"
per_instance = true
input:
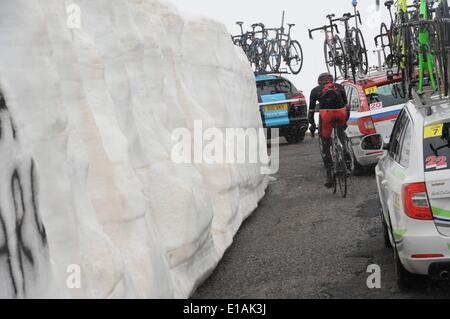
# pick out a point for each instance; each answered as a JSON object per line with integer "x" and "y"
{"x": 324, "y": 28}
{"x": 348, "y": 16}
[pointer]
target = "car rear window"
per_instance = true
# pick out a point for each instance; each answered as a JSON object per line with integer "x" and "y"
{"x": 436, "y": 147}
{"x": 275, "y": 87}
{"x": 386, "y": 95}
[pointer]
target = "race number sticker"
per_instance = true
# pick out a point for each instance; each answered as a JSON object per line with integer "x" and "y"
{"x": 371, "y": 90}
{"x": 376, "y": 106}
{"x": 436, "y": 162}
{"x": 433, "y": 130}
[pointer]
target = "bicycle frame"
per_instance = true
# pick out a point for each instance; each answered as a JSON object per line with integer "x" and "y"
{"x": 426, "y": 57}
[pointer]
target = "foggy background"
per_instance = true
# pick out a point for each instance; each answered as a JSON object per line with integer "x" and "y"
{"x": 305, "y": 14}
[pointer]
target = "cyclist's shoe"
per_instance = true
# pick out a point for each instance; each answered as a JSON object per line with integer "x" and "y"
{"x": 330, "y": 180}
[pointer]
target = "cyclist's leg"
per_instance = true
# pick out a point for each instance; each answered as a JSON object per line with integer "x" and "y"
{"x": 343, "y": 116}
{"x": 325, "y": 137}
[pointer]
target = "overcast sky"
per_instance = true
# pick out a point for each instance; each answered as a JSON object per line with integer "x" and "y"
{"x": 305, "y": 14}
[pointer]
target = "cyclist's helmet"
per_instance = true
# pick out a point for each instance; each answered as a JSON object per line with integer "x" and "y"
{"x": 325, "y": 78}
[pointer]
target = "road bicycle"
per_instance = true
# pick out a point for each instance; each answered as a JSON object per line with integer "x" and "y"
{"x": 442, "y": 45}
{"x": 333, "y": 48}
{"x": 283, "y": 48}
{"x": 253, "y": 43}
{"x": 349, "y": 54}
{"x": 354, "y": 47}
{"x": 432, "y": 56}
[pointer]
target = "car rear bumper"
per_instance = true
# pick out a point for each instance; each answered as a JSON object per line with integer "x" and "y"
{"x": 300, "y": 123}
{"x": 411, "y": 247}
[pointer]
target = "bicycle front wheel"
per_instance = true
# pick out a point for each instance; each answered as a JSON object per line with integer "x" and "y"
{"x": 274, "y": 56}
{"x": 361, "y": 51}
{"x": 387, "y": 45}
{"x": 295, "y": 57}
{"x": 339, "y": 56}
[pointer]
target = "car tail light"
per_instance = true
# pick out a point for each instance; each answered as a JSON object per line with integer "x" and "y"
{"x": 300, "y": 100}
{"x": 415, "y": 201}
{"x": 366, "y": 126}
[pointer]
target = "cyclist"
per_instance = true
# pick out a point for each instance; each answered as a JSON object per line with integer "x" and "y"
{"x": 332, "y": 104}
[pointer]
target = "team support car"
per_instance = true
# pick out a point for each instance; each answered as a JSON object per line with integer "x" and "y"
{"x": 282, "y": 107}
{"x": 375, "y": 103}
{"x": 413, "y": 181}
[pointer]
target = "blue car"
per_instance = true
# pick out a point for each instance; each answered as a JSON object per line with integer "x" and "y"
{"x": 282, "y": 106}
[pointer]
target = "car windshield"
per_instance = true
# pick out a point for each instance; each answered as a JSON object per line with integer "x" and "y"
{"x": 275, "y": 87}
{"x": 387, "y": 95}
{"x": 436, "y": 146}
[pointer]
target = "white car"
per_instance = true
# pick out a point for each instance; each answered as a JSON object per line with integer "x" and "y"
{"x": 375, "y": 102}
{"x": 413, "y": 181}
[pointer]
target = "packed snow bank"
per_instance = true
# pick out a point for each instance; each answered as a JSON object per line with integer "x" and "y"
{"x": 91, "y": 204}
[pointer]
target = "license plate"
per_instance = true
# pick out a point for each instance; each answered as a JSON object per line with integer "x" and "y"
{"x": 276, "y": 107}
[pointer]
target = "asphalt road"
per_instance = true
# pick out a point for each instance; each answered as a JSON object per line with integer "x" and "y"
{"x": 305, "y": 242}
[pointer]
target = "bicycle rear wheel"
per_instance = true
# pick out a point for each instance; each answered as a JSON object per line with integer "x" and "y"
{"x": 387, "y": 45}
{"x": 361, "y": 51}
{"x": 294, "y": 60}
{"x": 342, "y": 172}
{"x": 339, "y": 56}
{"x": 274, "y": 56}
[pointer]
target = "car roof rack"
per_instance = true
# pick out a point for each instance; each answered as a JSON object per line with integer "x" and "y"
{"x": 423, "y": 100}
{"x": 280, "y": 72}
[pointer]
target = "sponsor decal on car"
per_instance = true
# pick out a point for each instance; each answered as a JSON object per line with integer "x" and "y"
{"x": 436, "y": 162}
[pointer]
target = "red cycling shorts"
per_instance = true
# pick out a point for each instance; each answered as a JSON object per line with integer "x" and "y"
{"x": 327, "y": 117}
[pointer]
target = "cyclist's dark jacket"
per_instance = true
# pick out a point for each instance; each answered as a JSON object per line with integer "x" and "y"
{"x": 338, "y": 102}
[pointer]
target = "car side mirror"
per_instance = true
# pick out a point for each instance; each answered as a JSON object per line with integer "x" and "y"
{"x": 387, "y": 146}
{"x": 372, "y": 143}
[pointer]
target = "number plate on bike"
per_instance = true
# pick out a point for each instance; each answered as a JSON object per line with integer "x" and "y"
{"x": 276, "y": 107}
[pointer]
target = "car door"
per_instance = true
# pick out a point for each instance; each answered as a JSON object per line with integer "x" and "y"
{"x": 392, "y": 171}
{"x": 352, "y": 96}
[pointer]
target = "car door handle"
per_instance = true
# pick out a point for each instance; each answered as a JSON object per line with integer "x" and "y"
{"x": 380, "y": 174}
{"x": 384, "y": 182}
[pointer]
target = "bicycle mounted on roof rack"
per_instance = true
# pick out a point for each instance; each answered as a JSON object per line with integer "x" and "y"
{"x": 418, "y": 46}
{"x": 265, "y": 51}
{"x": 348, "y": 55}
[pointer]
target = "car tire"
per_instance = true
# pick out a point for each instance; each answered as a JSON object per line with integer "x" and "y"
{"x": 356, "y": 169}
{"x": 405, "y": 280}
{"x": 294, "y": 137}
{"x": 387, "y": 239}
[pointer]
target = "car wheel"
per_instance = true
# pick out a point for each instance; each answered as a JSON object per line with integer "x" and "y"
{"x": 294, "y": 137}
{"x": 405, "y": 279}
{"x": 387, "y": 240}
{"x": 302, "y": 136}
{"x": 355, "y": 168}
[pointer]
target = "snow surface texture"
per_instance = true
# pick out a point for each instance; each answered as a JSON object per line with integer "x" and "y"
{"x": 85, "y": 144}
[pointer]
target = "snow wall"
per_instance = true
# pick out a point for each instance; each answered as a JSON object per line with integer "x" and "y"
{"x": 91, "y": 205}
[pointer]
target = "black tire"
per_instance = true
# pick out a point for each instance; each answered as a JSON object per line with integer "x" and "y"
{"x": 405, "y": 280}
{"x": 329, "y": 62}
{"x": 386, "y": 45}
{"x": 356, "y": 169}
{"x": 342, "y": 173}
{"x": 361, "y": 51}
{"x": 339, "y": 56}
{"x": 294, "y": 136}
{"x": 294, "y": 59}
{"x": 386, "y": 238}
{"x": 274, "y": 59}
